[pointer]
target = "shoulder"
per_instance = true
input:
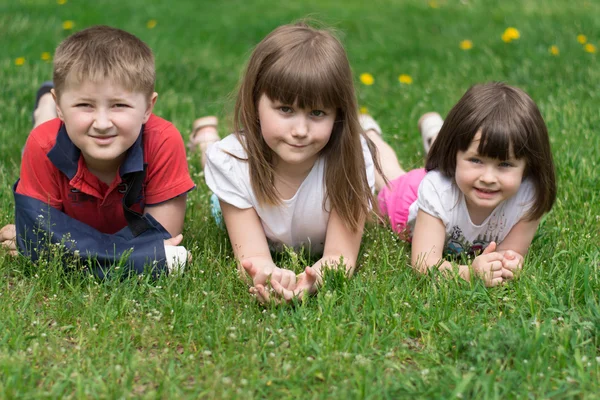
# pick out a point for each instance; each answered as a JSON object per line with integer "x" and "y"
{"x": 159, "y": 129}
{"x": 43, "y": 137}
{"x": 227, "y": 150}
{"x": 435, "y": 181}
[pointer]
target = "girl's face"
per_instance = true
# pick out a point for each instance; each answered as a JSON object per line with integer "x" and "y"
{"x": 296, "y": 135}
{"x": 486, "y": 182}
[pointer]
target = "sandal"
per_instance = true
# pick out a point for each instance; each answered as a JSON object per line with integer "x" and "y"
{"x": 367, "y": 123}
{"x": 204, "y": 133}
{"x": 429, "y": 125}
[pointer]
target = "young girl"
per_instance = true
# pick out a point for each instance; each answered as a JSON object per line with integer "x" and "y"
{"x": 297, "y": 171}
{"x": 488, "y": 180}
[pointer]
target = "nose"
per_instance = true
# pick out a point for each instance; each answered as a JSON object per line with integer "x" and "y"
{"x": 488, "y": 175}
{"x": 300, "y": 128}
{"x": 102, "y": 121}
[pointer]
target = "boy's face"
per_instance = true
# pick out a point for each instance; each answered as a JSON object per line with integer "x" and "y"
{"x": 103, "y": 120}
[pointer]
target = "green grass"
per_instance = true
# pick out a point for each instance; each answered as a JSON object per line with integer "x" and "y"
{"x": 386, "y": 333}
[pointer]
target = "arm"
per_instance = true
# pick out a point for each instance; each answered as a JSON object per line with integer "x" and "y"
{"x": 428, "y": 246}
{"x": 38, "y": 226}
{"x": 515, "y": 246}
{"x": 170, "y": 214}
{"x": 251, "y": 249}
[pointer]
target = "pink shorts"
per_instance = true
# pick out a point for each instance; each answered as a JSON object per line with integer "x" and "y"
{"x": 396, "y": 198}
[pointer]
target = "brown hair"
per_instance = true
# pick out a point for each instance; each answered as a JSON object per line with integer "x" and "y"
{"x": 298, "y": 64}
{"x": 102, "y": 52}
{"x": 510, "y": 123}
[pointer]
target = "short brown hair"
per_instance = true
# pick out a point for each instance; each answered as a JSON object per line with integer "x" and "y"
{"x": 299, "y": 64}
{"x": 102, "y": 52}
{"x": 510, "y": 124}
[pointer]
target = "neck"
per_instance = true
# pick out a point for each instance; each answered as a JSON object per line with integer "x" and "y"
{"x": 106, "y": 171}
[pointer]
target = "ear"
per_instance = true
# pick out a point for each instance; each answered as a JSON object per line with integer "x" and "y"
{"x": 58, "y": 110}
{"x": 150, "y": 107}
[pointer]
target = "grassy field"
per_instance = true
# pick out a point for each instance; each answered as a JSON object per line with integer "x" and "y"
{"x": 386, "y": 333}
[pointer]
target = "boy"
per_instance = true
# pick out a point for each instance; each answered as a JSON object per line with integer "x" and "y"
{"x": 106, "y": 177}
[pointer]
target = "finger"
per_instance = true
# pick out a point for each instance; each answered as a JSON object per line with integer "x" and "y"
{"x": 262, "y": 294}
{"x": 496, "y": 265}
{"x": 491, "y": 248}
{"x": 507, "y": 274}
{"x": 174, "y": 241}
{"x": 282, "y": 292}
{"x": 494, "y": 282}
{"x": 249, "y": 268}
{"x": 310, "y": 277}
{"x": 510, "y": 255}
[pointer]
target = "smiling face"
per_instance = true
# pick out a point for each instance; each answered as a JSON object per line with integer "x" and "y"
{"x": 103, "y": 120}
{"x": 485, "y": 181}
{"x": 295, "y": 135}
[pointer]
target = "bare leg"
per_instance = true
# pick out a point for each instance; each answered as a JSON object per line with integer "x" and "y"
{"x": 45, "y": 111}
{"x": 387, "y": 159}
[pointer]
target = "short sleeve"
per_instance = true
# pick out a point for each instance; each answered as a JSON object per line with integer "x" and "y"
{"x": 38, "y": 176}
{"x": 226, "y": 175}
{"x": 524, "y": 199}
{"x": 430, "y": 198}
{"x": 369, "y": 164}
{"x": 168, "y": 174}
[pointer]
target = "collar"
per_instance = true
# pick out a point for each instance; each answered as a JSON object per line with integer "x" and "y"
{"x": 65, "y": 155}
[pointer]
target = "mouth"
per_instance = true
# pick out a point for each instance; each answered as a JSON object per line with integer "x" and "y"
{"x": 103, "y": 140}
{"x": 486, "y": 193}
{"x": 297, "y": 146}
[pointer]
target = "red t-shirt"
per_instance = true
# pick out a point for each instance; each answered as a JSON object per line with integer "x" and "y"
{"x": 53, "y": 171}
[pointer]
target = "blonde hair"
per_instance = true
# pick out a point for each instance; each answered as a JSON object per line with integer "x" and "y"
{"x": 102, "y": 52}
{"x": 298, "y": 64}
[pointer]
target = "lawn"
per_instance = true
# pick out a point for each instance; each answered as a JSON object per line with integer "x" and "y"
{"x": 385, "y": 333}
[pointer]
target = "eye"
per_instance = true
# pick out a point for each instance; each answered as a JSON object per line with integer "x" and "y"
{"x": 474, "y": 160}
{"x": 285, "y": 109}
{"x": 121, "y": 105}
{"x": 318, "y": 113}
{"x": 505, "y": 164}
{"x": 83, "y": 105}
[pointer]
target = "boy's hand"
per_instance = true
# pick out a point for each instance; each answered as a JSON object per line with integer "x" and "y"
{"x": 8, "y": 235}
{"x": 174, "y": 241}
{"x": 511, "y": 263}
{"x": 488, "y": 265}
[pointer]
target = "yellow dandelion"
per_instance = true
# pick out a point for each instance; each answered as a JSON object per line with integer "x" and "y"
{"x": 405, "y": 79}
{"x": 19, "y": 61}
{"x": 433, "y": 4}
{"x": 68, "y": 25}
{"x": 367, "y": 79}
{"x": 582, "y": 39}
{"x": 554, "y": 50}
{"x": 46, "y": 56}
{"x": 61, "y": 2}
{"x": 269, "y": 383}
{"x": 364, "y": 110}
{"x": 590, "y": 48}
{"x": 510, "y": 34}
{"x": 151, "y": 24}
{"x": 466, "y": 45}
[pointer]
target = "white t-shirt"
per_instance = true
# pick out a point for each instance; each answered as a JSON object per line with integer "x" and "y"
{"x": 440, "y": 197}
{"x": 297, "y": 222}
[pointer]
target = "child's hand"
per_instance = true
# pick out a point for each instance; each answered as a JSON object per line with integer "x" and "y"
{"x": 511, "y": 263}
{"x": 306, "y": 284}
{"x": 8, "y": 234}
{"x": 262, "y": 276}
{"x": 488, "y": 265}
